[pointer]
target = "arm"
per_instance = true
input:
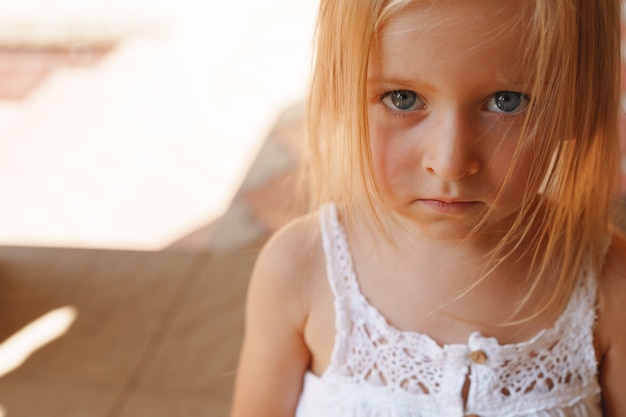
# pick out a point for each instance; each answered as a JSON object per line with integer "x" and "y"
{"x": 611, "y": 331}
{"x": 274, "y": 356}
{"x": 613, "y": 378}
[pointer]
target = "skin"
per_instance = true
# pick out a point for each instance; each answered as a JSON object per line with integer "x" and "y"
{"x": 610, "y": 337}
{"x": 438, "y": 164}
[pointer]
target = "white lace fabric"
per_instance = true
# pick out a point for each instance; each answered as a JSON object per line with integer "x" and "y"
{"x": 377, "y": 370}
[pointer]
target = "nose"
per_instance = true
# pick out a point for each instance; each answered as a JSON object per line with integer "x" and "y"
{"x": 451, "y": 151}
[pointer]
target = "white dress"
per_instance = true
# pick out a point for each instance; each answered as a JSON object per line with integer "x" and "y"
{"x": 378, "y": 371}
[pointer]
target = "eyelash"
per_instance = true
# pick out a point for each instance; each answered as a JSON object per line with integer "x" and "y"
{"x": 524, "y": 102}
{"x": 395, "y": 112}
{"x": 398, "y": 113}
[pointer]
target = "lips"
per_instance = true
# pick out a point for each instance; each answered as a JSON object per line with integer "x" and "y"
{"x": 450, "y": 206}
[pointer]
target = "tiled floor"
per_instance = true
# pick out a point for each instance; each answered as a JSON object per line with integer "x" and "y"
{"x": 156, "y": 333}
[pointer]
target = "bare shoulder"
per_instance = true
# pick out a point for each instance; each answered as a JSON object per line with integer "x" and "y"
{"x": 612, "y": 289}
{"x": 610, "y": 333}
{"x": 613, "y": 278}
{"x": 274, "y": 355}
{"x": 291, "y": 259}
{"x": 616, "y": 256}
{"x": 301, "y": 233}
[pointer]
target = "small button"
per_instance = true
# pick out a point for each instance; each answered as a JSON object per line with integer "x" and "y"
{"x": 479, "y": 357}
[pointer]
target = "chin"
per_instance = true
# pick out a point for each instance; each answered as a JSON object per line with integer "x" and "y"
{"x": 440, "y": 229}
{"x": 446, "y": 233}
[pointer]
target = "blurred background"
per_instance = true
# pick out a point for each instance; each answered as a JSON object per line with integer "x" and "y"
{"x": 133, "y": 124}
{"x": 148, "y": 148}
{"x": 129, "y": 124}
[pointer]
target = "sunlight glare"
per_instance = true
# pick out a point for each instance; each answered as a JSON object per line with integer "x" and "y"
{"x": 19, "y": 347}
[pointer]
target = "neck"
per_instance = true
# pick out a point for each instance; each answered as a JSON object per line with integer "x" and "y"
{"x": 468, "y": 259}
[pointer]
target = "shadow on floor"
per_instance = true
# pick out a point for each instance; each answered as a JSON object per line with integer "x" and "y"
{"x": 156, "y": 333}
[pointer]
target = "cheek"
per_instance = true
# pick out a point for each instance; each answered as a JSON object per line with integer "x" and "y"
{"x": 520, "y": 176}
{"x": 389, "y": 154}
{"x": 378, "y": 151}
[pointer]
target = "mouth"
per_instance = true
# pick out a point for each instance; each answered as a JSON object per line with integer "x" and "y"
{"x": 450, "y": 206}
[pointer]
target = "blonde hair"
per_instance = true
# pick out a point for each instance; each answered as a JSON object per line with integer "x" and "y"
{"x": 574, "y": 47}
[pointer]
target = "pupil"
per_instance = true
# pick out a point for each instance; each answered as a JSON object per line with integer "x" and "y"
{"x": 403, "y": 100}
{"x": 508, "y": 101}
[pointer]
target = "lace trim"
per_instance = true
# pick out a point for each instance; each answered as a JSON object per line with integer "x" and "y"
{"x": 555, "y": 365}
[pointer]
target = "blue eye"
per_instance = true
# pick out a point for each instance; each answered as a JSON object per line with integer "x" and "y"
{"x": 510, "y": 102}
{"x": 403, "y": 100}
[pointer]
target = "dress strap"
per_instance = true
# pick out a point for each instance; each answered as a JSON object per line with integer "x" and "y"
{"x": 338, "y": 260}
{"x": 342, "y": 281}
{"x": 582, "y": 307}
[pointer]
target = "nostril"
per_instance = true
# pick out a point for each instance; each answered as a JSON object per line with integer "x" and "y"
{"x": 454, "y": 172}
{"x": 473, "y": 169}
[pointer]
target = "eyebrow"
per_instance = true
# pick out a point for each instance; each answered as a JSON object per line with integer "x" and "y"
{"x": 398, "y": 81}
{"x": 513, "y": 84}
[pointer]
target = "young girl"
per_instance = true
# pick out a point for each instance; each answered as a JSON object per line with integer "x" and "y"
{"x": 463, "y": 261}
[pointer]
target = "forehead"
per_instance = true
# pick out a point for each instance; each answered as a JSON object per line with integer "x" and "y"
{"x": 456, "y": 33}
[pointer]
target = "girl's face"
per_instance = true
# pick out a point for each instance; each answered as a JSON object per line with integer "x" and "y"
{"x": 447, "y": 98}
